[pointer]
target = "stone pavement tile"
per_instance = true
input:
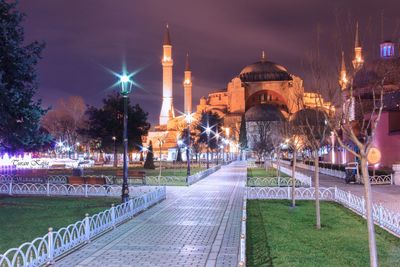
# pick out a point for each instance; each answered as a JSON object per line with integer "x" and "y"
{"x": 196, "y": 226}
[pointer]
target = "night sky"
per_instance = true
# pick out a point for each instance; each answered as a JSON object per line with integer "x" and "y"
{"x": 84, "y": 37}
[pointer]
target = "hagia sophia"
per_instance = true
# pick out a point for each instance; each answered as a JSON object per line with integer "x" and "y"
{"x": 261, "y": 89}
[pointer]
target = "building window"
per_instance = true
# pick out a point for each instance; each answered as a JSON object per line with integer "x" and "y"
{"x": 394, "y": 122}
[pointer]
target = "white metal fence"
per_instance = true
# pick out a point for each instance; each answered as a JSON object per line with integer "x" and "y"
{"x": 85, "y": 190}
{"x": 274, "y": 181}
{"x": 44, "y": 250}
{"x": 304, "y": 179}
{"x": 201, "y": 175}
{"x": 242, "y": 249}
{"x": 383, "y": 217}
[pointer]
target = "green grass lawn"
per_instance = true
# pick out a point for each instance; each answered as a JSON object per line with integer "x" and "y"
{"x": 24, "y": 218}
{"x": 280, "y": 236}
{"x": 262, "y": 172}
{"x": 164, "y": 171}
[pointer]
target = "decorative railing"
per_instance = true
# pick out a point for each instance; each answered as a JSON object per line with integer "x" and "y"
{"x": 201, "y": 175}
{"x": 274, "y": 181}
{"x": 85, "y": 190}
{"x": 298, "y": 175}
{"x": 374, "y": 179}
{"x": 242, "y": 248}
{"x": 381, "y": 179}
{"x": 15, "y": 178}
{"x": 44, "y": 250}
{"x": 382, "y": 216}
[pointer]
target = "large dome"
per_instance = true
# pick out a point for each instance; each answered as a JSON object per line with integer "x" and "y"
{"x": 264, "y": 112}
{"x": 264, "y": 71}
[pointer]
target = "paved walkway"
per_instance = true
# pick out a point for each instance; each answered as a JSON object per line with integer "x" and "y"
{"x": 196, "y": 226}
{"x": 388, "y": 195}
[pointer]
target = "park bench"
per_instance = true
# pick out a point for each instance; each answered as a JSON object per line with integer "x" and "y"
{"x": 92, "y": 180}
{"x": 133, "y": 175}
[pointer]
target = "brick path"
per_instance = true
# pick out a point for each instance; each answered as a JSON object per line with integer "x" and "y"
{"x": 196, "y": 226}
{"x": 388, "y": 195}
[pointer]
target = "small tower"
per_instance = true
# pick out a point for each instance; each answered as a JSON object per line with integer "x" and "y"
{"x": 358, "y": 60}
{"x": 187, "y": 87}
{"x": 387, "y": 49}
{"x": 343, "y": 74}
{"x": 167, "y": 108}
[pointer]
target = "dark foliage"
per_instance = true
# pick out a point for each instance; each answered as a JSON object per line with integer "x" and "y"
{"x": 20, "y": 114}
{"x": 105, "y": 122}
{"x": 149, "y": 163}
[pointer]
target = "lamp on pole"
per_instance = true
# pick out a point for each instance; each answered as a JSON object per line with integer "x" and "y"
{"x": 188, "y": 118}
{"x": 114, "y": 138}
{"x": 217, "y": 136}
{"x": 208, "y": 131}
{"x": 126, "y": 88}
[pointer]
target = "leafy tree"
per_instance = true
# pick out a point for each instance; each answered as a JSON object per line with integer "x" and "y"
{"x": 149, "y": 163}
{"x": 20, "y": 113}
{"x": 106, "y": 122}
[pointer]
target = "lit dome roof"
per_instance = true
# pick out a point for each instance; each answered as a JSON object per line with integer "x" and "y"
{"x": 264, "y": 112}
{"x": 264, "y": 71}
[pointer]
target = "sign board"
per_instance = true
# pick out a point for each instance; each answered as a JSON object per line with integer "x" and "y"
{"x": 374, "y": 155}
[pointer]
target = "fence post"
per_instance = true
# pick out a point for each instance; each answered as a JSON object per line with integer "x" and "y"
{"x": 113, "y": 215}
{"x": 86, "y": 190}
{"x": 380, "y": 213}
{"x": 391, "y": 178}
{"x": 348, "y": 198}
{"x": 335, "y": 193}
{"x": 48, "y": 188}
{"x": 279, "y": 181}
{"x": 132, "y": 207}
{"x": 288, "y": 191}
{"x": 87, "y": 228}
{"x": 10, "y": 189}
{"x": 364, "y": 210}
{"x": 50, "y": 256}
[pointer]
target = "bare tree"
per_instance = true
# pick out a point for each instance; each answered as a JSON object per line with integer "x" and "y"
{"x": 64, "y": 121}
{"x": 315, "y": 131}
{"x": 357, "y": 122}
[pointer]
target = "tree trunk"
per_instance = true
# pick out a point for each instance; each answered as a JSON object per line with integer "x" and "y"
{"x": 316, "y": 185}
{"x": 373, "y": 256}
{"x": 294, "y": 178}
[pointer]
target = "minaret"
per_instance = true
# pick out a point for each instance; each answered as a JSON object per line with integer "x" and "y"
{"x": 358, "y": 60}
{"x": 187, "y": 87}
{"x": 343, "y": 74}
{"x": 167, "y": 108}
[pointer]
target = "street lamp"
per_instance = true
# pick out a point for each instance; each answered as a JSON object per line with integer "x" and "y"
{"x": 126, "y": 88}
{"x": 188, "y": 119}
{"x": 114, "y": 138}
{"x": 217, "y": 136}
{"x": 208, "y": 131}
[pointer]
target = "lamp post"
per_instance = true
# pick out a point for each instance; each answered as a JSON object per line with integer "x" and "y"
{"x": 160, "y": 143}
{"x": 126, "y": 88}
{"x": 227, "y": 130}
{"x": 208, "y": 131}
{"x": 188, "y": 119}
{"x": 115, "y": 152}
{"x": 217, "y": 136}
